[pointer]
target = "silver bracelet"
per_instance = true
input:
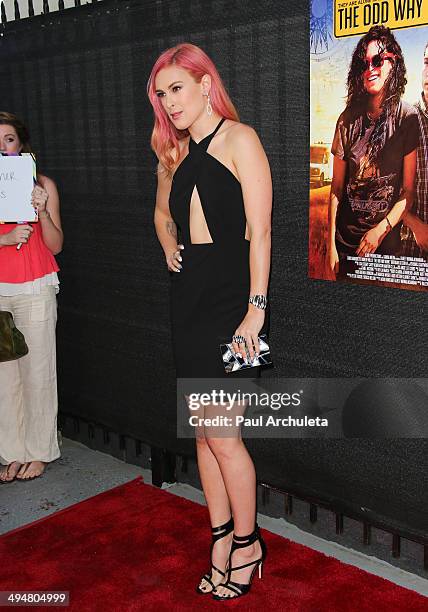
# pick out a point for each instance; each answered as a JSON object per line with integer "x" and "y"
{"x": 259, "y": 301}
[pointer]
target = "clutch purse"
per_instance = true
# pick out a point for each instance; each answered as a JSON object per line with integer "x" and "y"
{"x": 12, "y": 341}
{"x": 233, "y": 363}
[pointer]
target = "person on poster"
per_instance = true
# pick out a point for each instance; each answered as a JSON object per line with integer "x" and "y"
{"x": 415, "y": 228}
{"x": 374, "y": 150}
{"x": 28, "y": 287}
{"x": 215, "y": 195}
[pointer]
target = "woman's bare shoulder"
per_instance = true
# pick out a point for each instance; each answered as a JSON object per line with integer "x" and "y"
{"x": 242, "y": 140}
{"x": 240, "y": 134}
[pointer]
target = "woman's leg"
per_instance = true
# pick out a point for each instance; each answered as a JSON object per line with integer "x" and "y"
{"x": 36, "y": 318}
{"x": 212, "y": 483}
{"x": 239, "y": 476}
{"x": 12, "y": 450}
{"x": 218, "y": 505}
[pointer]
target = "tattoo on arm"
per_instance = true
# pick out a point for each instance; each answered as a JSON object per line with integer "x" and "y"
{"x": 171, "y": 228}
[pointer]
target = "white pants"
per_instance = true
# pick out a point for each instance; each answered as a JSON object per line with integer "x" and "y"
{"x": 28, "y": 389}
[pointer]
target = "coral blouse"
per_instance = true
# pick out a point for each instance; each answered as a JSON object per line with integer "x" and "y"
{"x": 26, "y": 270}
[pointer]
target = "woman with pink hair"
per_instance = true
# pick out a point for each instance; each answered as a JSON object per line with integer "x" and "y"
{"x": 213, "y": 220}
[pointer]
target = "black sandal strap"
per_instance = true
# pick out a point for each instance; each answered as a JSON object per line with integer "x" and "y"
{"x": 218, "y": 570}
{"x": 232, "y": 569}
{"x": 243, "y": 541}
{"x": 208, "y": 579}
{"x": 222, "y": 530}
{"x": 231, "y": 586}
{"x": 237, "y": 585}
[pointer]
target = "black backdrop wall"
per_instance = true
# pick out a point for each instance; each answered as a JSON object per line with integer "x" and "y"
{"x": 79, "y": 79}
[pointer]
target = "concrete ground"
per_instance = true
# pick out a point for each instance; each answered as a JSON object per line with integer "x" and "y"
{"x": 82, "y": 473}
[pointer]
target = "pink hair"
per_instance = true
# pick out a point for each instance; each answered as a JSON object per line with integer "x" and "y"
{"x": 165, "y": 136}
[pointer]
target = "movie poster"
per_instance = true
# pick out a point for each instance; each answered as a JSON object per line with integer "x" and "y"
{"x": 368, "y": 217}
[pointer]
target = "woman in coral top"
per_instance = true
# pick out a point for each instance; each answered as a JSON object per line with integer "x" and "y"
{"x": 28, "y": 287}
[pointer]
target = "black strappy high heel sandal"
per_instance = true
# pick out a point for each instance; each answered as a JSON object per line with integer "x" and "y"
{"x": 217, "y": 534}
{"x": 237, "y": 589}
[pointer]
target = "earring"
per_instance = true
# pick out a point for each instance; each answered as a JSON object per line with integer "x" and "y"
{"x": 209, "y": 107}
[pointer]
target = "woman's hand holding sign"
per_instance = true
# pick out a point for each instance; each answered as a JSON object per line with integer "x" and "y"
{"x": 39, "y": 198}
{"x": 19, "y": 235}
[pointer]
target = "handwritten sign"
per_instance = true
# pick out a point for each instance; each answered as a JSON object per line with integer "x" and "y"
{"x": 17, "y": 175}
{"x": 353, "y": 17}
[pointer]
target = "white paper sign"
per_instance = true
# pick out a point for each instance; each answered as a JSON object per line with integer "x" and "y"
{"x": 17, "y": 174}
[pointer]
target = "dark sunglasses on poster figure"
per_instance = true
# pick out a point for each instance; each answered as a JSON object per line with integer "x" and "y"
{"x": 377, "y": 61}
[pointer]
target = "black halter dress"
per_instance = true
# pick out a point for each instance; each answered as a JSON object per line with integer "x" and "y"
{"x": 209, "y": 296}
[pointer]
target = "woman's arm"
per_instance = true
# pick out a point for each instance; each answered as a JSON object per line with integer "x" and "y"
{"x": 166, "y": 229}
{"x": 46, "y": 199}
{"x": 254, "y": 174}
{"x": 372, "y": 239}
{"x": 336, "y": 193}
{"x": 419, "y": 229}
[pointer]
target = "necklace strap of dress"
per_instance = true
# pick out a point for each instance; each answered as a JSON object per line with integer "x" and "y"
{"x": 207, "y": 139}
{"x": 218, "y": 127}
{"x": 205, "y": 142}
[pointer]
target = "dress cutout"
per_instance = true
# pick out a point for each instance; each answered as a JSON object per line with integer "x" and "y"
{"x": 196, "y": 212}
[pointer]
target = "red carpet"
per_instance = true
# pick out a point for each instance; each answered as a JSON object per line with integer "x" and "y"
{"x": 136, "y": 547}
